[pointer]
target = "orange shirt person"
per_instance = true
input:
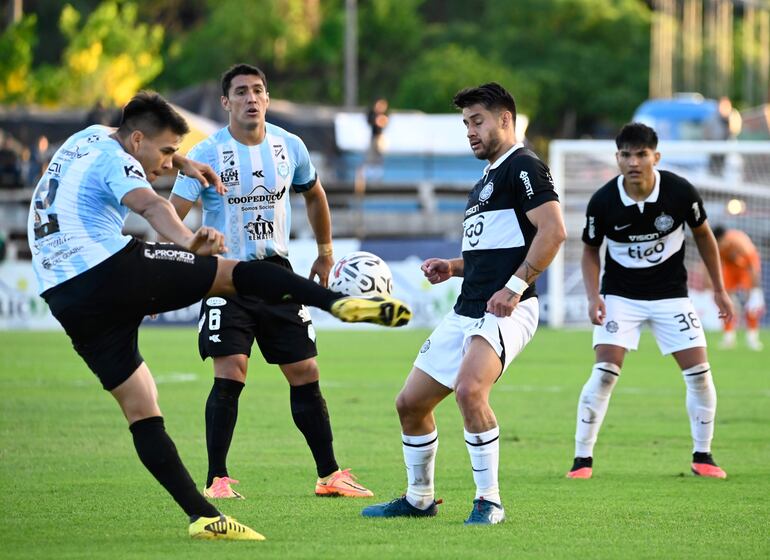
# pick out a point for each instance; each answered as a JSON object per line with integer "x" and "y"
{"x": 742, "y": 273}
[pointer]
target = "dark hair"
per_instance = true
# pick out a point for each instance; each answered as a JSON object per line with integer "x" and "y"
{"x": 491, "y": 96}
{"x": 240, "y": 70}
{"x": 719, "y": 231}
{"x": 150, "y": 113}
{"x": 637, "y": 135}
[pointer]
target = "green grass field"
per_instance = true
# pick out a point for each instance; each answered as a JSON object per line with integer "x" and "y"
{"x": 72, "y": 486}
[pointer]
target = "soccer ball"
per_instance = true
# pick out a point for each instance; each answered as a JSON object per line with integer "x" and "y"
{"x": 361, "y": 274}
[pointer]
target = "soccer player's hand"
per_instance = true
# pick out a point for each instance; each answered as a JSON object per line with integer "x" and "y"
{"x": 203, "y": 173}
{"x": 756, "y": 302}
{"x": 321, "y": 268}
{"x": 207, "y": 241}
{"x": 597, "y": 310}
{"x": 725, "y": 305}
{"x": 503, "y": 302}
{"x": 437, "y": 270}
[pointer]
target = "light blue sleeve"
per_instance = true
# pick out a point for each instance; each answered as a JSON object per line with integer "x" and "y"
{"x": 123, "y": 174}
{"x": 187, "y": 187}
{"x": 304, "y": 173}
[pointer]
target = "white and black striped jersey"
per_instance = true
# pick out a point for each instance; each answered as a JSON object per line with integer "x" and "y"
{"x": 496, "y": 231}
{"x": 645, "y": 240}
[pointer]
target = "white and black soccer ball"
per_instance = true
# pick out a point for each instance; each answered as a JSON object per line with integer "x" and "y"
{"x": 361, "y": 274}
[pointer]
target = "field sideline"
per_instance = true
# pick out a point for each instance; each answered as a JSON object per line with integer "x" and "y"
{"x": 72, "y": 486}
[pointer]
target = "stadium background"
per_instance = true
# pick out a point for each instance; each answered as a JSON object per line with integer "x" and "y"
{"x": 578, "y": 69}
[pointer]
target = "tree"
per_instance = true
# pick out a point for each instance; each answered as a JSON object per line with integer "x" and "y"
{"x": 107, "y": 58}
{"x": 589, "y": 58}
{"x": 16, "y": 44}
{"x": 431, "y": 82}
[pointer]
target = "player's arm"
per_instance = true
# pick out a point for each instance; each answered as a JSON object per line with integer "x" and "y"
{"x": 590, "y": 264}
{"x": 161, "y": 215}
{"x": 709, "y": 252}
{"x": 181, "y": 205}
{"x": 440, "y": 270}
{"x": 320, "y": 219}
{"x": 201, "y": 172}
{"x": 550, "y": 235}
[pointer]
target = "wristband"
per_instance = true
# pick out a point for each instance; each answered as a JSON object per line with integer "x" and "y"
{"x": 325, "y": 249}
{"x": 516, "y": 285}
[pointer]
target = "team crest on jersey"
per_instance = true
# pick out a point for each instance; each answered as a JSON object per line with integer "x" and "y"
{"x": 612, "y": 327}
{"x": 486, "y": 192}
{"x": 664, "y": 222}
{"x": 283, "y": 169}
{"x": 425, "y": 347}
{"x": 228, "y": 157}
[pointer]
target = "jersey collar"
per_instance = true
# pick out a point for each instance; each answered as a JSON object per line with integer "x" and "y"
{"x": 502, "y": 158}
{"x": 628, "y": 201}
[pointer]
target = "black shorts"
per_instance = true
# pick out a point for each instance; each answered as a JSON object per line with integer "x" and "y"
{"x": 284, "y": 332}
{"x": 101, "y": 309}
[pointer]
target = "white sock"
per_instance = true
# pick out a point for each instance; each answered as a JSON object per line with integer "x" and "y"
{"x": 484, "y": 449}
{"x": 592, "y": 406}
{"x": 701, "y": 405}
{"x": 752, "y": 336}
{"x": 420, "y": 460}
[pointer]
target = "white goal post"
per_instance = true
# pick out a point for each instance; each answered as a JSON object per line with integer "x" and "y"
{"x": 732, "y": 177}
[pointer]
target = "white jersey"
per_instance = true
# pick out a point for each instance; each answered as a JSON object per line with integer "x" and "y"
{"x": 76, "y": 216}
{"x": 254, "y": 214}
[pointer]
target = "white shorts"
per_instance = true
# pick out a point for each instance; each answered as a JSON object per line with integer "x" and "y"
{"x": 674, "y": 323}
{"x": 442, "y": 353}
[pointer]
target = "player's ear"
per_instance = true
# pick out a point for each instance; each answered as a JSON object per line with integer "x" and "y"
{"x": 225, "y": 103}
{"x": 135, "y": 139}
{"x": 657, "y": 158}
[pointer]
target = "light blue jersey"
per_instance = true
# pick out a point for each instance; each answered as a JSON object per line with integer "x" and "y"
{"x": 255, "y": 214}
{"x": 76, "y": 216}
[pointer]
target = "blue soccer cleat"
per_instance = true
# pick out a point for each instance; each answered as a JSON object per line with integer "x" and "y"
{"x": 485, "y": 513}
{"x": 399, "y": 507}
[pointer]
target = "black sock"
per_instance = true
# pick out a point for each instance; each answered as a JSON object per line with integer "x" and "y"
{"x": 276, "y": 284}
{"x": 221, "y": 415}
{"x": 308, "y": 409}
{"x": 158, "y": 454}
{"x": 703, "y": 457}
{"x": 582, "y": 462}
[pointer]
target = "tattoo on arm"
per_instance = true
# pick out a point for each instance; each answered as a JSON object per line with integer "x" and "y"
{"x": 530, "y": 272}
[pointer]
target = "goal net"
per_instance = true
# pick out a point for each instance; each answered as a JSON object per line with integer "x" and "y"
{"x": 732, "y": 177}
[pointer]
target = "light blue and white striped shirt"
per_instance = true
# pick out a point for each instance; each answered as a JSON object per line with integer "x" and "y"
{"x": 255, "y": 214}
{"x": 76, "y": 216}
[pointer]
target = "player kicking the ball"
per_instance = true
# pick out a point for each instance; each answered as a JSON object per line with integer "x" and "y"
{"x": 100, "y": 284}
{"x": 642, "y": 213}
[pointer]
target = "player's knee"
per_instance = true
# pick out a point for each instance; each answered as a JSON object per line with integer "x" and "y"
{"x": 409, "y": 408}
{"x": 469, "y": 395}
{"x": 302, "y": 373}
{"x": 607, "y": 374}
{"x": 698, "y": 377}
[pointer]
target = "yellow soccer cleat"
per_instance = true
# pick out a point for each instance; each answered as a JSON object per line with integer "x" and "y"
{"x": 380, "y": 310}
{"x": 341, "y": 483}
{"x": 222, "y": 527}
